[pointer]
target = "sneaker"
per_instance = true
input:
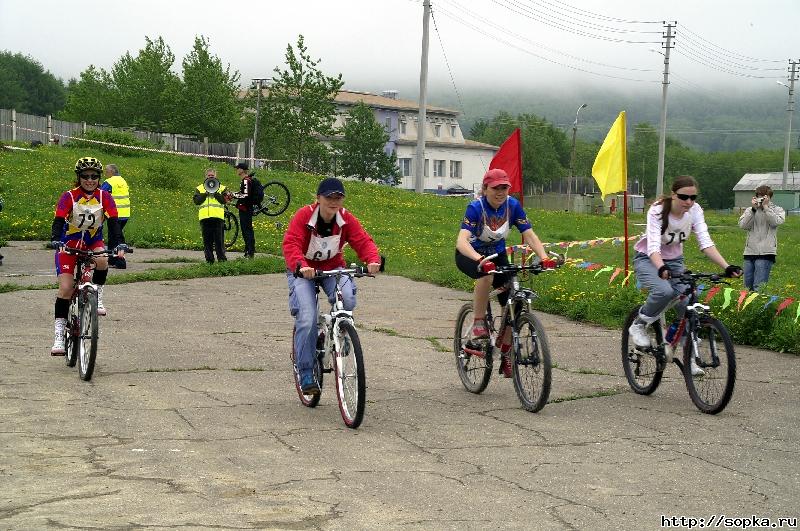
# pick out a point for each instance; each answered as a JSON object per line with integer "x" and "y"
{"x": 479, "y": 330}
{"x": 101, "y": 309}
{"x": 696, "y": 371}
{"x": 638, "y": 332}
{"x": 505, "y": 366}
{"x": 121, "y": 264}
{"x": 58, "y": 338}
{"x": 309, "y": 385}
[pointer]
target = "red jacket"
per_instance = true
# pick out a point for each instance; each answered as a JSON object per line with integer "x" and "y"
{"x": 303, "y": 226}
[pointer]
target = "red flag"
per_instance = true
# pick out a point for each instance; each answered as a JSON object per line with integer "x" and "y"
{"x": 713, "y": 291}
{"x": 782, "y": 306}
{"x": 509, "y": 158}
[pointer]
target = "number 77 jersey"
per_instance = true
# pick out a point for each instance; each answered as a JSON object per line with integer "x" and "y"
{"x": 85, "y": 214}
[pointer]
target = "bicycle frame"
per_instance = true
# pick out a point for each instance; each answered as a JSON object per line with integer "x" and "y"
{"x": 519, "y": 301}
{"x": 331, "y": 321}
{"x": 691, "y": 319}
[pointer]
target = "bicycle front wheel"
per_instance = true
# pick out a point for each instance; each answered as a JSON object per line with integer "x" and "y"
{"x": 231, "y": 224}
{"x": 531, "y": 369}
{"x": 642, "y": 368}
{"x": 87, "y": 349}
{"x": 276, "y": 199}
{"x": 306, "y": 400}
{"x": 474, "y": 371}
{"x": 712, "y": 390}
{"x": 351, "y": 384}
{"x": 72, "y": 334}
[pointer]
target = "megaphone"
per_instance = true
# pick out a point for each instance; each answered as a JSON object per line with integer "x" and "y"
{"x": 211, "y": 184}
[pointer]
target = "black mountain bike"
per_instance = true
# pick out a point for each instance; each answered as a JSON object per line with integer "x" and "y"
{"x": 705, "y": 341}
{"x": 275, "y": 202}
{"x": 82, "y": 330}
{"x": 530, "y": 351}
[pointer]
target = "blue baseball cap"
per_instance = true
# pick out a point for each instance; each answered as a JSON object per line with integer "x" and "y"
{"x": 330, "y": 186}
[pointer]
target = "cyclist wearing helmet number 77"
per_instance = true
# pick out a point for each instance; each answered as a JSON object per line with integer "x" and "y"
{"x": 484, "y": 229}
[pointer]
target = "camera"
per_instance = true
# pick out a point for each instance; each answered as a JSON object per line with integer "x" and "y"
{"x": 760, "y": 200}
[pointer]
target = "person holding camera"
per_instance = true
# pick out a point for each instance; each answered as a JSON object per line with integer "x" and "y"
{"x": 761, "y": 222}
{"x": 210, "y": 196}
{"x": 484, "y": 228}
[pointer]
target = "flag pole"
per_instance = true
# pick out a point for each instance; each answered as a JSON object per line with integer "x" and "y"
{"x": 521, "y": 179}
{"x": 625, "y": 221}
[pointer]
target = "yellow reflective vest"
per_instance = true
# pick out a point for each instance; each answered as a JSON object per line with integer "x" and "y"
{"x": 120, "y": 193}
{"x": 211, "y": 208}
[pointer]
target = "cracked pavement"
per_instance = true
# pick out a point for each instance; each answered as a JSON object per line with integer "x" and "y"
{"x": 191, "y": 421}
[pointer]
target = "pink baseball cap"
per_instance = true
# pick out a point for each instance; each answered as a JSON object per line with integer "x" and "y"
{"x": 495, "y": 177}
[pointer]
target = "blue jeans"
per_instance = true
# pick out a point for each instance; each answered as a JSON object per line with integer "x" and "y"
{"x": 660, "y": 292}
{"x": 756, "y": 272}
{"x": 303, "y": 306}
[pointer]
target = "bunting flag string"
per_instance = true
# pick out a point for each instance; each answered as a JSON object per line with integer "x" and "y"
{"x": 750, "y": 299}
{"x": 727, "y": 294}
{"x": 782, "y": 306}
{"x": 713, "y": 291}
{"x": 742, "y": 295}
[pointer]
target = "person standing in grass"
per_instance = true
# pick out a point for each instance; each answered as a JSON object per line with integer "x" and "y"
{"x": 761, "y": 222}
{"x": 212, "y": 216}
{"x": 248, "y": 196}
{"x": 118, "y": 188}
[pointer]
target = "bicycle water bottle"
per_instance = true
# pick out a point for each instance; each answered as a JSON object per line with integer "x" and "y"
{"x": 671, "y": 331}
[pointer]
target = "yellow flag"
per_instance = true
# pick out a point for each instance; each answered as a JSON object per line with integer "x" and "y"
{"x": 610, "y": 168}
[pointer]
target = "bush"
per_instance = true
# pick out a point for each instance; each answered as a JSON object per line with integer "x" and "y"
{"x": 163, "y": 174}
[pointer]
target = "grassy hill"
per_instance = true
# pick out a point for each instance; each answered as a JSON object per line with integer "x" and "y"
{"x": 416, "y": 233}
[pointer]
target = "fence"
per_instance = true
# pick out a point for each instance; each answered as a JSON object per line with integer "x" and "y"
{"x": 22, "y": 127}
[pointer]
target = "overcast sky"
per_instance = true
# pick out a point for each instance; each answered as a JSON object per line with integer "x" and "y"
{"x": 376, "y": 44}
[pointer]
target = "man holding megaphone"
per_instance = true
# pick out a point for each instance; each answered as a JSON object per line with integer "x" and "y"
{"x": 210, "y": 196}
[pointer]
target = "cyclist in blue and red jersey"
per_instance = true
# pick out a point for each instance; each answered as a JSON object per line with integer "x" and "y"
{"x": 485, "y": 226}
{"x": 78, "y": 223}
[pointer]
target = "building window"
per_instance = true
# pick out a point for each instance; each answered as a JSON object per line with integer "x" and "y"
{"x": 403, "y": 127}
{"x": 388, "y": 124}
{"x": 405, "y": 167}
{"x": 437, "y": 130}
{"x": 438, "y": 168}
{"x": 426, "y": 167}
{"x": 455, "y": 169}
{"x": 453, "y": 131}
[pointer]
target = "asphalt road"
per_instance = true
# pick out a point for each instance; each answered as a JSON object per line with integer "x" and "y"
{"x": 192, "y": 421}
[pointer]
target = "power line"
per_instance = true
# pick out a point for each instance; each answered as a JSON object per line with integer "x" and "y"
{"x": 728, "y": 52}
{"x": 543, "y": 16}
{"x": 693, "y": 57}
{"x": 705, "y": 52}
{"x": 597, "y": 16}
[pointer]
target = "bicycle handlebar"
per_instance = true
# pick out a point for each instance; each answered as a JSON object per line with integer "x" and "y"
{"x": 90, "y": 253}
{"x": 692, "y": 277}
{"x": 353, "y": 271}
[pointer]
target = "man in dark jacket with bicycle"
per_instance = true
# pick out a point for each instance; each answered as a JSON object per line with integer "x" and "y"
{"x": 314, "y": 240}
{"x": 249, "y": 195}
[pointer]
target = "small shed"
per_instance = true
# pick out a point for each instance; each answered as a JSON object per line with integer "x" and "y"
{"x": 787, "y": 197}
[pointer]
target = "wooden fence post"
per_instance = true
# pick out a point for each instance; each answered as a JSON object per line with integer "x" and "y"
{"x": 13, "y": 125}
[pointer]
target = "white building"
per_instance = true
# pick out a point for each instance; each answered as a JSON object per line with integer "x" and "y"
{"x": 450, "y": 159}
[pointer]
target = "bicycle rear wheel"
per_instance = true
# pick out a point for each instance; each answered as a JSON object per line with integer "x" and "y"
{"x": 276, "y": 199}
{"x": 231, "y": 225}
{"x": 474, "y": 371}
{"x": 72, "y": 334}
{"x": 351, "y": 384}
{"x": 641, "y": 367}
{"x": 711, "y": 391}
{"x": 531, "y": 368}
{"x": 87, "y": 351}
{"x": 306, "y": 400}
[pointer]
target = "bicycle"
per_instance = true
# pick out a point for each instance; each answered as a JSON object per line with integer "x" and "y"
{"x": 530, "y": 350}
{"x": 274, "y": 203}
{"x": 338, "y": 351}
{"x": 702, "y": 336}
{"x": 82, "y": 330}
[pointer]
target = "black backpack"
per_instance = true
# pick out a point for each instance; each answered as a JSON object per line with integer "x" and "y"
{"x": 258, "y": 190}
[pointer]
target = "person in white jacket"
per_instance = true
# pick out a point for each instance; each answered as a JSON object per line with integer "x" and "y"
{"x": 761, "y": 222}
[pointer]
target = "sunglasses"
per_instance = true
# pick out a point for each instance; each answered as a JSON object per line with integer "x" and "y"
{"x": 686, "y": 197}
{"x": 91, "y": 177}
{"x": 335, "y": 196}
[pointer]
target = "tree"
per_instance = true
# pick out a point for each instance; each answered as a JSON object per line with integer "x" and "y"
{"x": 299, "y": 110}
{"x": 208, "y": 102}
{"x": 361, "y": 153}
{"x": 145, "y": 88}
{"x": 90, "y": 99}
{"x": 27, "y": 87}
{"x": 643, "y": 157}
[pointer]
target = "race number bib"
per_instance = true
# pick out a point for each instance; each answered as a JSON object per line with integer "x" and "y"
{"x": 320, "y": 249}
{"x": 87, "y": 216}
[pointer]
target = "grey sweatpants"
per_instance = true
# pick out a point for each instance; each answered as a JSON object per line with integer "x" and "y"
{"x": 660, "y": 292}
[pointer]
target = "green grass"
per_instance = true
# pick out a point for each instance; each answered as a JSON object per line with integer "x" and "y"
{"x": 416, "y": 233}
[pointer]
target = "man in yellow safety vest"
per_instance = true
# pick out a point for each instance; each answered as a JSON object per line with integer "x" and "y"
{"x": 118, "y": 188}
{"x": 210, "y": 197}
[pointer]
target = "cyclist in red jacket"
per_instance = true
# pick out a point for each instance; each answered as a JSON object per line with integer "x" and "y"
{"x": 314, "y": 241}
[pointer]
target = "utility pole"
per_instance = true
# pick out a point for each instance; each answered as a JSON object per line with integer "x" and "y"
{"x": 572, "y": 158}
{"x": 419, "y": 181}
{"x": 259, "y": 83}
{"x": 662, "y": 138}
{"x": 790, "y": 109}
